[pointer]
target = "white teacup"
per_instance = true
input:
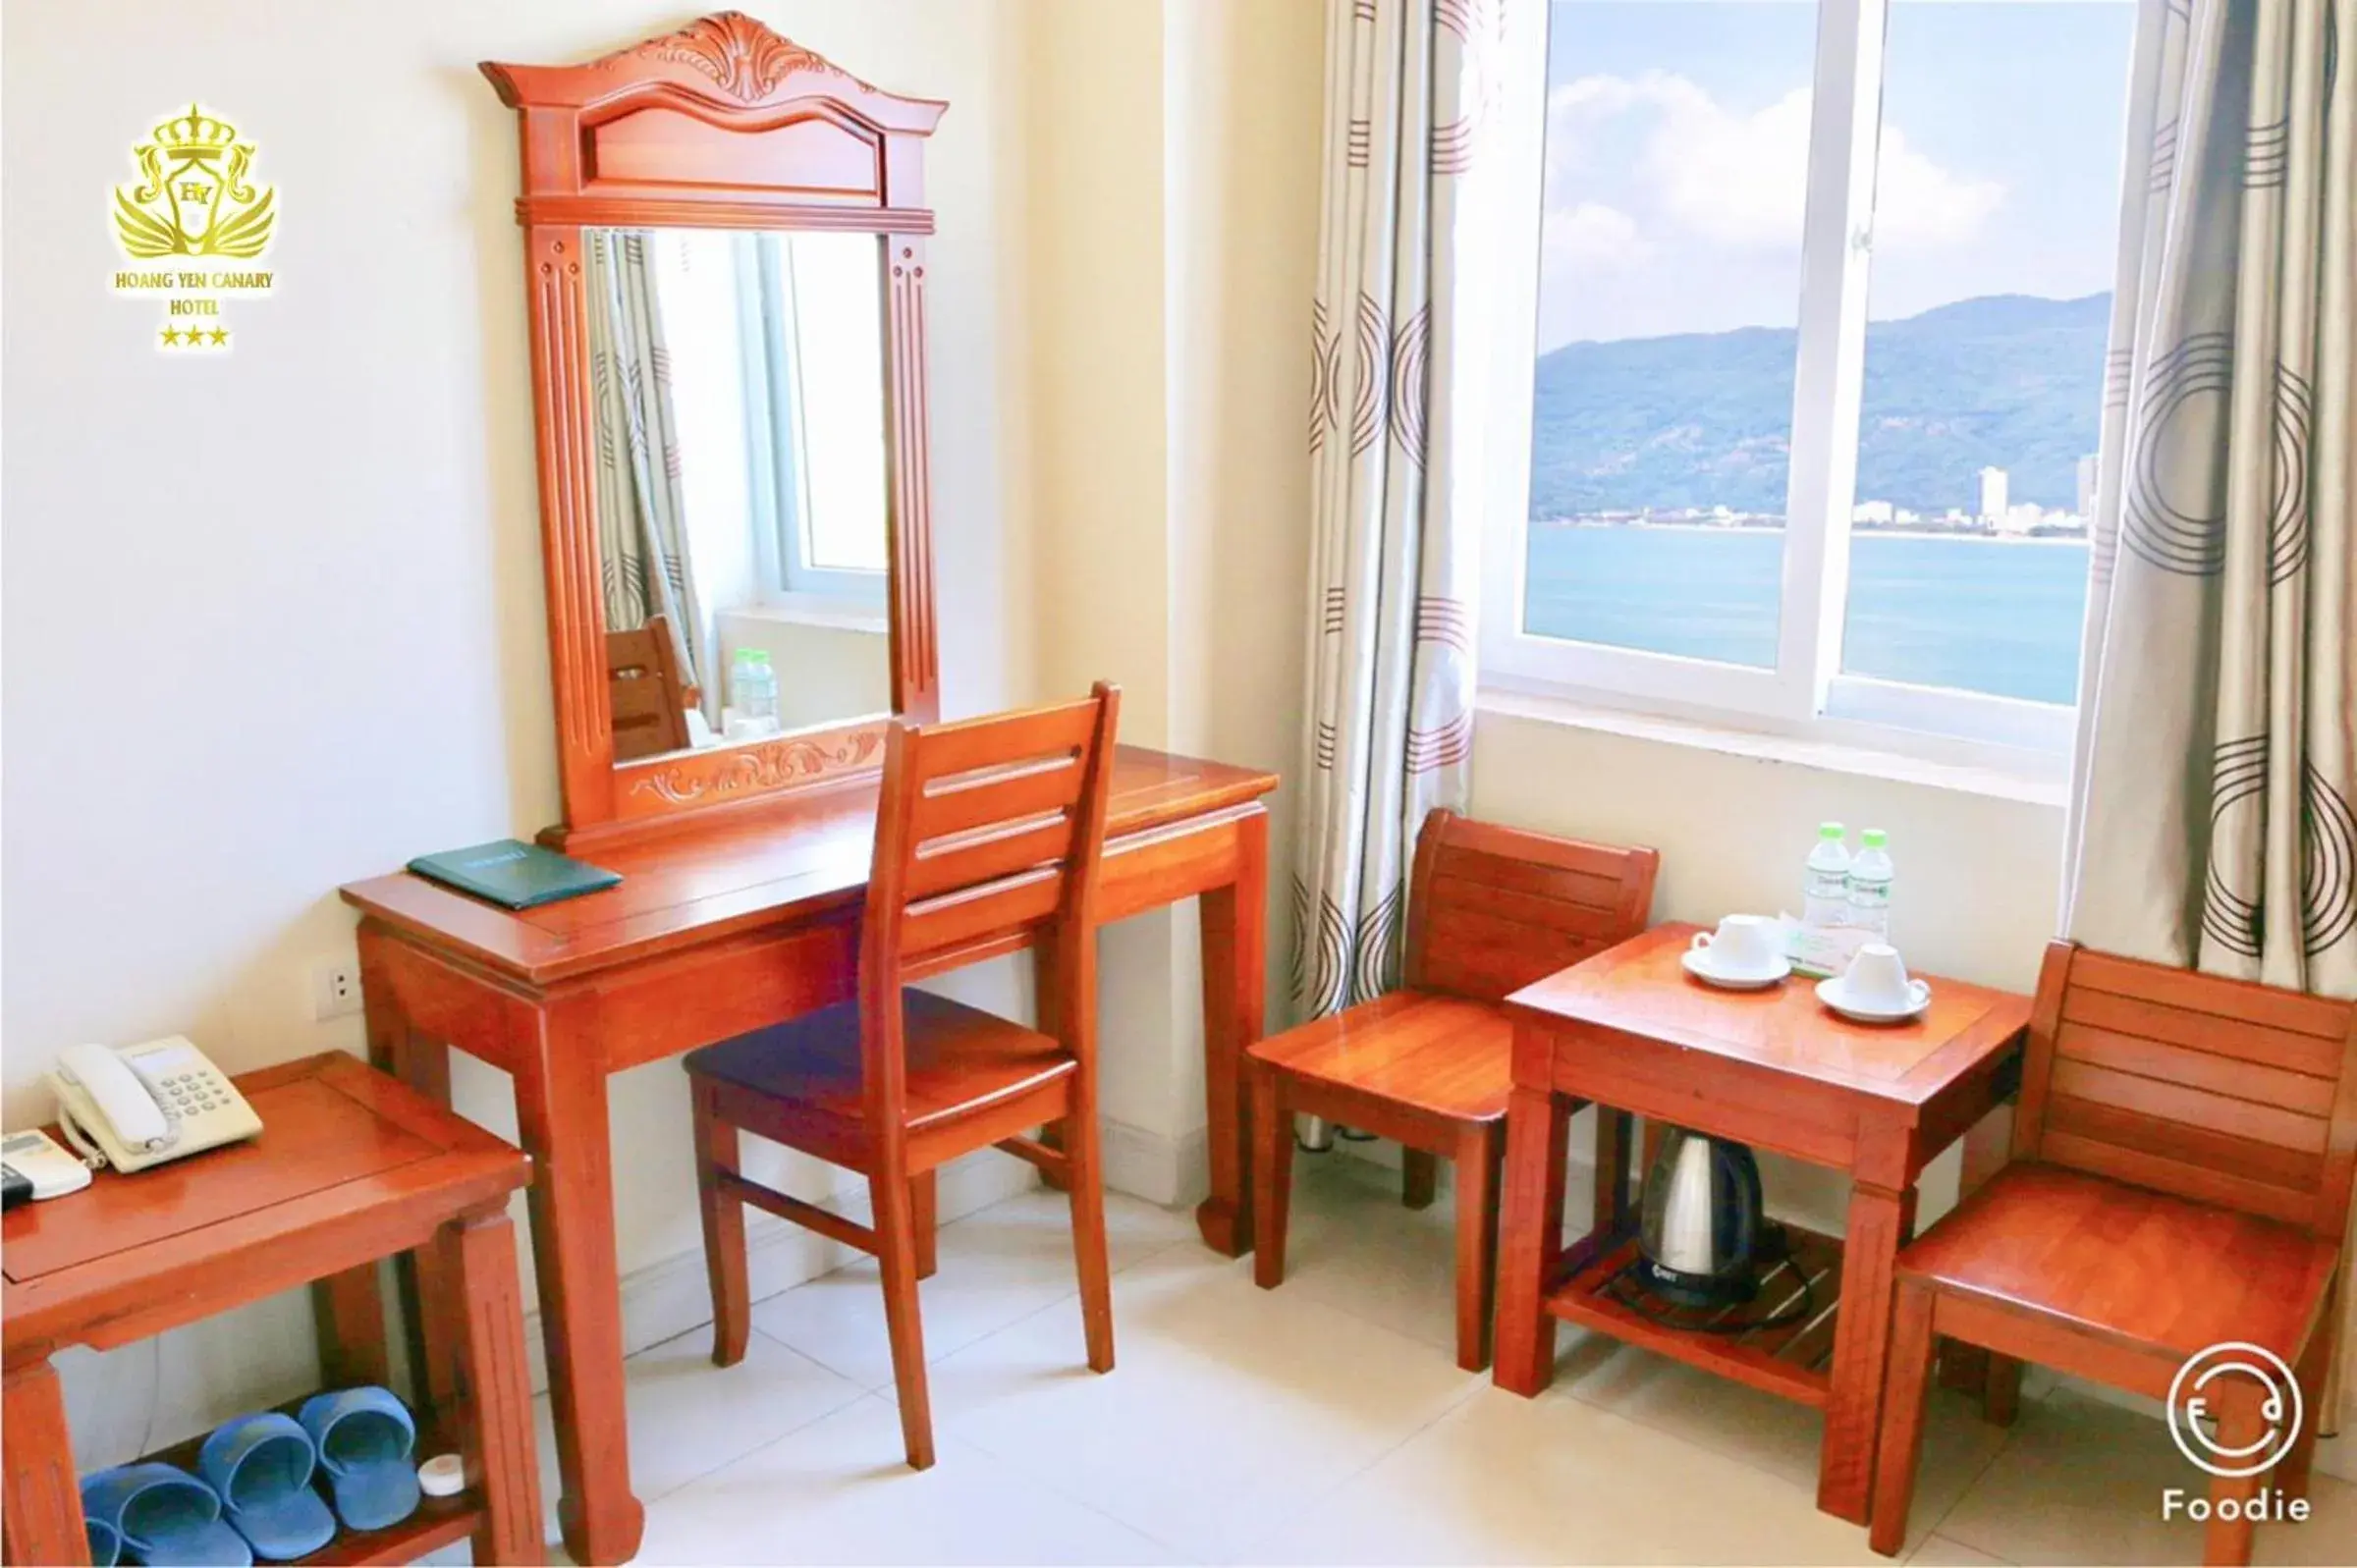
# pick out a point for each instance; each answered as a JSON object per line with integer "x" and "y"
{"x": 1877, "y": 978}
{"x": 1743, "y": 945}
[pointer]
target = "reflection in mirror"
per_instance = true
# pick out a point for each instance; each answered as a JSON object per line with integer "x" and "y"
{"x": 738, "y": 381}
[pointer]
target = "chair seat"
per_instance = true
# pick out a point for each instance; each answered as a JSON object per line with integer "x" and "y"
{"x": 2129, "y": 1263}
{"x": 1448, "y": 1056}
{"x": 959, "y": 1059}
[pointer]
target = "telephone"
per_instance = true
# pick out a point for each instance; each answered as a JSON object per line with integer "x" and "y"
{"x": 146, "y": 1103}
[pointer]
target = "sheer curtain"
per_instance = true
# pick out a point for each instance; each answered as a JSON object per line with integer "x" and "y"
{"x": 2215, "y": 823}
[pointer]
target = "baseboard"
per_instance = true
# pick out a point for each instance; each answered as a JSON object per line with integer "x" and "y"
{"x": 1165, "y": 1170}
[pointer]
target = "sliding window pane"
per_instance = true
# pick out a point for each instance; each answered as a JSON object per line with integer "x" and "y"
{"x": 1995, "y": 219}
{"x": 1677, "y": 139}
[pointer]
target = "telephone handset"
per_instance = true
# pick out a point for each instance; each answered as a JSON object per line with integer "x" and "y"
{"x": 146, "y": 1103}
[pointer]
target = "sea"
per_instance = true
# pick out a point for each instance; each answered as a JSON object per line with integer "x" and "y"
{"x": 1997, "y": 616}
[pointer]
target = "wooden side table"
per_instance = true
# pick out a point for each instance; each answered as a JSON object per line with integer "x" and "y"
{"x": 351, "y": 1167}
{"x": 1630, "y": 1030}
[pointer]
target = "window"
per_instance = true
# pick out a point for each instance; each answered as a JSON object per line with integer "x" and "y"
{"x": 1820, "y": 307}
{"x": 813, "y": 348}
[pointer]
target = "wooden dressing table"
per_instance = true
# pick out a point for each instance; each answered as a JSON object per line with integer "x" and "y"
{"x": 721, "y": 208}
{"x": 715, "y": 930}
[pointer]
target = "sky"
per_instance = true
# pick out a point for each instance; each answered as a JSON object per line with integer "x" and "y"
{"x": 1678, "y": 134}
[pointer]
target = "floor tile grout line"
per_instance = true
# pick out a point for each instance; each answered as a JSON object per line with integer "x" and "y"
{"x": 646, "y": 1498}
{"x": 1982, "y": 1474}
{"x": 932, "y": 1360}
{"x": 1054, "y": 1483}
{"x": 1472, "y": 1391}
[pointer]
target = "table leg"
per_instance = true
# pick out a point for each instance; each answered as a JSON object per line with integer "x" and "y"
{"x": 396, "y": 1046}
{"x": 1047, "y": 1018}
{"x": 1970, "y": 1367}
{"x": 42, "y": 1511}
{"x": 1613, "y": 1207}
{"x": 560, "y": 1113}
{"x": 1878, "y": 1224}
{"x": 349, "y": 1312}
{"x": 503, "y": 1457}
{"x": 1235, "y": 922}
{"x": 1530, "y": 1239}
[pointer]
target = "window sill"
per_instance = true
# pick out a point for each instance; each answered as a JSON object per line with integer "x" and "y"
{"x": 2040, "y": 785}
{"x": 810, "y": 610}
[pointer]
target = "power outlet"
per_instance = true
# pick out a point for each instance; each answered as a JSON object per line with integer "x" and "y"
{"x": 335, "y": 990}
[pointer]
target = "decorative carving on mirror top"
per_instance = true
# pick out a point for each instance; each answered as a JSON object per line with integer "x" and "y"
{"x": 759, "y": 767}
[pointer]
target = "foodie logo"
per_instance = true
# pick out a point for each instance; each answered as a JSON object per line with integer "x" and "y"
{"x": 193, "y": 225}
{"x": 2258, "y": 1380}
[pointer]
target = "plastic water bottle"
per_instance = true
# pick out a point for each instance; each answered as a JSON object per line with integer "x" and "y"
{"x": 1825, "y": 900}
{"x": 753, "y": 689}
{"x": 1870, "y": 884}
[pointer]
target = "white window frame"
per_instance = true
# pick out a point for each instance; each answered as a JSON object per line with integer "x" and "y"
{"x": 1806, "y": 694}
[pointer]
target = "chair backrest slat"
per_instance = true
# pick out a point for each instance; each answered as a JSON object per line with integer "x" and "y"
{"x": 989, "y": 833}
{"x": 969, "y": 920}
{"x": 1492, "y": 909}
{"x": 2210, "y": 1089}
{"x": 646, "y": 698}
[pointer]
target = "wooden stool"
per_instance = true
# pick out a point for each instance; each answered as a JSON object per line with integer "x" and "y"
{"x": 989, "y": 835}
{"x": 350, "y": 1167}
{"x": 1490, "y": 909}
{"x": 2182, "y": 1162}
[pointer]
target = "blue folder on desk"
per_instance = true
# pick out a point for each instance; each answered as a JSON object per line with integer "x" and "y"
{"x": 514, "y": 874}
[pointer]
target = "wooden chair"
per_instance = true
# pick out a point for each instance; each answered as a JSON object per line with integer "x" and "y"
{"x": 649, "y": 699}
{"x": 989, "y": 834}
{"x": 2182, "y": 1158}
{"x": 1489, "y": 910}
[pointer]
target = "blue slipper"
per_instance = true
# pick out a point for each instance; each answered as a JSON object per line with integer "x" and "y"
{"x": 261, "y": 1466}
{"x": 366, "y": 1444}
{"x": 106, "y": 1547}
{"x": 162, "y": 1514}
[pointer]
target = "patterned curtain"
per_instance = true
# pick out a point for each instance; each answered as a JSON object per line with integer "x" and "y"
{"x": 2214, "y": 825}
{"x": 1393, "y": 564}
{"x": 641, "y": 522}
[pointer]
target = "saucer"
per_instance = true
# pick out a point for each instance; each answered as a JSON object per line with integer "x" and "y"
{"x": 1836, "y": 995}
{"x": 1697, "y": 964}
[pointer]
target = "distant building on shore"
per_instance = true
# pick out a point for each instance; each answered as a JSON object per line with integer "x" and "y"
{"x": 1994, "y": 486}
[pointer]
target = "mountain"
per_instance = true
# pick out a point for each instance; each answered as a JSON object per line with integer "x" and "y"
{"x": 1701, "y": 420}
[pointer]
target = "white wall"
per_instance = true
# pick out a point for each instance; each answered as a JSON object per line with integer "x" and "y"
{"x": 274, "y": 622}
{"x": 1174, "y": 185}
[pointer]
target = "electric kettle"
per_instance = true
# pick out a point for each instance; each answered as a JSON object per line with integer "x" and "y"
{"x": 1703, "y": 1222}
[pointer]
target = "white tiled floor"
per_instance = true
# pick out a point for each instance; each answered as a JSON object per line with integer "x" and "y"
{"x": 1323, "y": 1422}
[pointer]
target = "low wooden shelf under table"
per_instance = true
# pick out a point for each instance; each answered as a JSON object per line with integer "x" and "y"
{"x": 1792, "y": 1359}
{"x": 437, "y": 1523}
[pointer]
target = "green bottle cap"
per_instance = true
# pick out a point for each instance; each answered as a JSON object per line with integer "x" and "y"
{"x": 1874, "y": 837}
{"x": 759, "y": 656}
{"x": 1830, "y": 830}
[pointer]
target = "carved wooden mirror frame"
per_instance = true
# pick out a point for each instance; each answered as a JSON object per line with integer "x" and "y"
{"x": 721, "y": 125}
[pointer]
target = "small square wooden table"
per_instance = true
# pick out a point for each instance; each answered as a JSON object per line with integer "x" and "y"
{"x": 350, "y": 1167}
{"x": 1776, "y": 1070}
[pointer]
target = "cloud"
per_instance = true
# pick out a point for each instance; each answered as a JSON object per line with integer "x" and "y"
{"x": 1590, "y": 234}
{"x": 1682, "y": 167}
{"x": 1918, "y": 204}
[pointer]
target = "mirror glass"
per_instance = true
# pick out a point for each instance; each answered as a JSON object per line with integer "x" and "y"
{"x": 738, "y": 384}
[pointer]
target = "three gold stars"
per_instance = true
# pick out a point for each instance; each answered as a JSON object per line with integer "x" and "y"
{"x": 195, "y": 337}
